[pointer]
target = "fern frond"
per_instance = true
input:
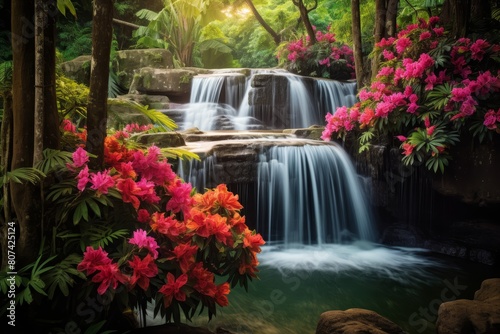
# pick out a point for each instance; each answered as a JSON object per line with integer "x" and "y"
{"x": 179, "y": 153}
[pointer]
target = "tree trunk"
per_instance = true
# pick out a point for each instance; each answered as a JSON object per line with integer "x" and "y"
{"x": 391, "y": 18}
{"x": 385, "y": 26}
{"x": 276, "y": 37}
{"x": 459, "y": 16}
{"x": 102, "y": 31}
{"x": 24, "y": 197}
{"x": 40, "y": 17}
{"x": 455, "y": 17}
{"x": 51, "y": 132}
{"x": 357, "y": 45}
{"x": 304, "y": 15}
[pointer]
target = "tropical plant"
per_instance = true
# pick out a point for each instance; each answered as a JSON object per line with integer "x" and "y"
{"x": 429, "y": 92}
{"x": 325, "y": 58}
{"x": 134, "y": 233}
{"x": 177, "y": 27}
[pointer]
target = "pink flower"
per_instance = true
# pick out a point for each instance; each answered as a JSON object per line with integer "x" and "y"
{"x": 460, "y": 94}
{"x": 478, "y": 49}
{"x": 141, "y": 240}
{"x": 101, "y": 182}
{"x": 401, "y": 138}
{"x": 383, "y": 109}
{"x": 83, "y": 178}
{"x": 181, "y": 199}
{"x": 402, "y": 44}
{"x": 425, "y": 35}
{"x": 385, "y": 71}
{"x": 68, "y": 126}
{"x": 439, "y": 31}
{"x": 490, "y": 119}
{"x": 80, "y": 158}
{"x": 388, "y": 55}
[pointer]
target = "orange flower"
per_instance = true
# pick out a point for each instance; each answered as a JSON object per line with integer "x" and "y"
{"x": 227, "y": 199}
{"x": 252, "y": 240}
{"x": 220, "y": 296}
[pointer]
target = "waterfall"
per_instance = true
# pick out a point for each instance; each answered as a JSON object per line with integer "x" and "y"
{"x": 302, "y": 194}
{"x": 311, "y": 195}
{"x": 206, "y": 89}
{"x": 332, "y": 94}
{"x": 232, "y": 101}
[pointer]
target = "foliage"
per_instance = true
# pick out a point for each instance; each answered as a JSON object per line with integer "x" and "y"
{"x": 177, "y": 27}
{"x": 429, "y": 92}
{"x": 325, "y": 58}
{"x": 135, "y": 233}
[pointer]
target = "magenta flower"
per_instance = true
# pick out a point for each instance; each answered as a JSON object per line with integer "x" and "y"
{"x": 101, "y": 182}
{"x": 141, "y": 240}
{"x": 181, "y": 196}
{"x": 80, "y": 158}
{"x": 402, "y": 44}
{"x": 478, "y": 49}
{"x": 83, "y": 178}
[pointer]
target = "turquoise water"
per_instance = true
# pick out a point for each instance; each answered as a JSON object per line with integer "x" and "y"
{"x": 296, "y": 285}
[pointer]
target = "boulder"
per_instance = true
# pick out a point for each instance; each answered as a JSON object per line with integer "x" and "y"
{"x": 162, "y": 139}
{"x": 78, "y": 69}
{"x": 355, "y": 320}
{"x": 480, "y": 315}
{"x": 174, "y": 83}
{"x": 128, "y": 62}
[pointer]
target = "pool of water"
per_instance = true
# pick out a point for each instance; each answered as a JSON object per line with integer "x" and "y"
{"x": 296, "y": 285}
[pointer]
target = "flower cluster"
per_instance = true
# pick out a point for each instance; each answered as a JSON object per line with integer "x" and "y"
{"x": 325, "y": 58}
{"x": 426, "y": 91}
{"x": 180, "y": 241}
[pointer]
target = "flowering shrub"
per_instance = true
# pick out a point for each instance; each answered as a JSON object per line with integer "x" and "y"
{"x": 326, "y": 58}
{"x": 428, "y": 91}
{"x": 142, "y": 234}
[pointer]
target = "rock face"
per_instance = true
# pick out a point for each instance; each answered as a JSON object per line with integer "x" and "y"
{"x": 78, "y": 69}
{"x": 128, "y": 62}
{"x": 355, "y": 320}
{"x": 473, "y": 175}
{"x": 480, "y": 315}
{"x": 174, "y": 83}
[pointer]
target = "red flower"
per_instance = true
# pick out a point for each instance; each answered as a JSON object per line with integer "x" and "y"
{"x": 109, "y": 275}
{"x": 184, "y": 254}
{"x": 93, "y": 259}
{"x": 204, "y": 280}
{"x": 173, "y": 289}
{"x": 220, "y": 296}
{"x": 143, "y": 270}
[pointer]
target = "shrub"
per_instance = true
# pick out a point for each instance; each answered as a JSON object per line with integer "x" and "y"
{"x": 133, "y": 234}
{"x": 429, "y": 91}
{"x": 326, "y": 58}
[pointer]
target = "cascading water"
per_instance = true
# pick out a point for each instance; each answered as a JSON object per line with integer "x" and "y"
{"x": 222, "y": 101}
{"x": 305, "y": 192}
{"x": 307, "y": 201}
{"x": 311, "y": 195}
